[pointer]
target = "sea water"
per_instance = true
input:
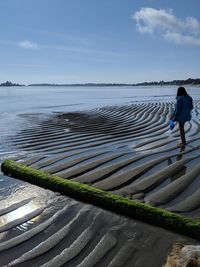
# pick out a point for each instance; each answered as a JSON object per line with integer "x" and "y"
{"x": 17, "y": 101}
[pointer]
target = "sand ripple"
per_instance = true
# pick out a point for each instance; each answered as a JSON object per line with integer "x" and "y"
{"x": 128, "y": 150}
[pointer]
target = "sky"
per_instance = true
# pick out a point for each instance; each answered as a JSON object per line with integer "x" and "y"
{"x": 111, "y": 41}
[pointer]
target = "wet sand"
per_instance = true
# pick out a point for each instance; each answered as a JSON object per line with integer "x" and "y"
{"x": 128, "y": 150}
{"x": 58, "y": 231}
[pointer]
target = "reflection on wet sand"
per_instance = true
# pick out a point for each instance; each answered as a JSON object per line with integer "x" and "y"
{"x": 184, "y": 168}
{"x": 179, "y": 157}
{"x": 18, "y": 213}
{"x": 23, "y": 208}
{"x": 179, "y": 174}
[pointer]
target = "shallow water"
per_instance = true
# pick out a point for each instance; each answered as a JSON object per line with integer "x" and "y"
{"x": 15, "y": 102}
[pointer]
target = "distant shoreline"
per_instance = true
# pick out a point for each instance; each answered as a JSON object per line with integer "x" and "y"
{"x": 152, "y": 83}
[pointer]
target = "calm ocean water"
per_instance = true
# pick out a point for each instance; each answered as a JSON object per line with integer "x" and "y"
{"x": 15, "y": 102}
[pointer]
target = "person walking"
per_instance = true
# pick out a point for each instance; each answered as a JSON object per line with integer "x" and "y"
{"x": 184, "y": 105}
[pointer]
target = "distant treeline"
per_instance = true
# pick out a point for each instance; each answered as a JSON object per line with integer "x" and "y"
{"x": 81, "y": 84}
{"x": 189, "y": 81}
{"x": 174, "y": 82}
{"x": 10, "y": 84}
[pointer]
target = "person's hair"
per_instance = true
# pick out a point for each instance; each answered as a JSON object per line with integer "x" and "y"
{"x": 181, "y": 92}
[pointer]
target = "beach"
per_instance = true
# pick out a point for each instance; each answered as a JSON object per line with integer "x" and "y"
{"x": 117, "y": 140}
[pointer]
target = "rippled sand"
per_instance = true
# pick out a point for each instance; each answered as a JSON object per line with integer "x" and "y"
{"x": 128, "y": 150}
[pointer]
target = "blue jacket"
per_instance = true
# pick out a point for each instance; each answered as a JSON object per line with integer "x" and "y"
{"x": 184, "y": 105}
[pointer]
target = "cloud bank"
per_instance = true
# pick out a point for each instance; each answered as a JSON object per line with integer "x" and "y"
{"x": 165, "y": 23}
{"x": 28, "y": 45}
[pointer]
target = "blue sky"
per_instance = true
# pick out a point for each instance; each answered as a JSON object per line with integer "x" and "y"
{"x": 79, "y": 41}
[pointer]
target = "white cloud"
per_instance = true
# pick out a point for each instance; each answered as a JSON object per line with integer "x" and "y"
{"x": 181, "y": 39}
{"x": 28, "y": 45}
{"x": 165, "y": 23}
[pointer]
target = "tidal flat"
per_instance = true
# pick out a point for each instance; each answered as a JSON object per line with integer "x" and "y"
{"x": 117, "y": 141}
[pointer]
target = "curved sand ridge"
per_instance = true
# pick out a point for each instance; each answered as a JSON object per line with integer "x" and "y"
{"x": 128, "y": 150}
{"x": 125, "y": 149}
